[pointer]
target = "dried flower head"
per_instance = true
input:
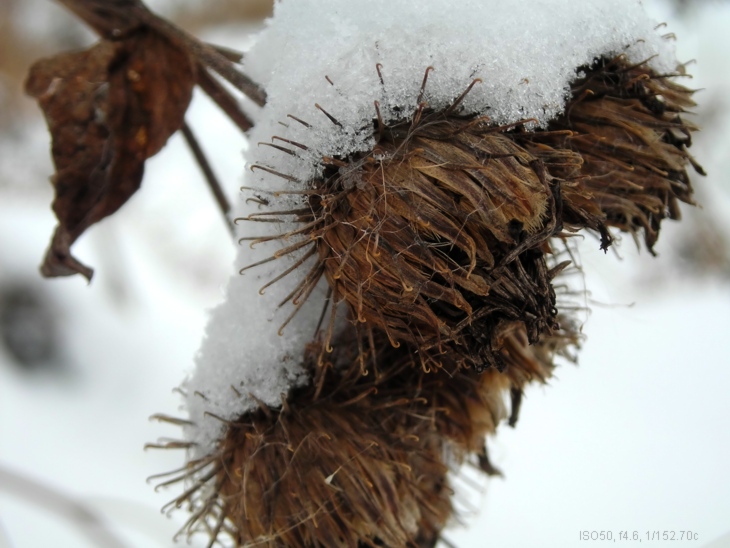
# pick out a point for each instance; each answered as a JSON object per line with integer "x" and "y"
{"x": 355, "y": 460}
{"x": 625, "y": 124}
{"x": 436, "y": 236}
{"x": 439, "y": 233}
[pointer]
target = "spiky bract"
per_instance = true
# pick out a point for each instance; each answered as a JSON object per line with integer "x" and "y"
{"x": 437, "y": 236}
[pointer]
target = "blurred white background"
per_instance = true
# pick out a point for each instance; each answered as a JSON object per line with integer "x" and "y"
{"x": 636, "y": 438}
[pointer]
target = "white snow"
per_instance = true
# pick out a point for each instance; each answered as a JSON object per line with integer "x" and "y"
{"x": 526, "y": 53}
{"x": 244, "y": 353}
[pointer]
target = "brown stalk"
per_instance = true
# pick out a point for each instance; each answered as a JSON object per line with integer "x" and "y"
{"x": 210, "y": 177}
{"x": 113, "y": 19}
{"x": 111, "y": 107}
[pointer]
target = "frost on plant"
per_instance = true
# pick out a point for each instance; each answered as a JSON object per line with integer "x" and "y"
{"x": 334, "y": 72}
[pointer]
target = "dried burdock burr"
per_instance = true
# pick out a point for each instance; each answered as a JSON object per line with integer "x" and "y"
{"x": 437, "y": 227}
{"x": 411, "y": 188}
{"x": 440, "y": 232}
{"x": 354, "y": 460}
{"x": 627, "y": 125}
{"x": 436, "y": 237}
{"x": 346, "y": 461}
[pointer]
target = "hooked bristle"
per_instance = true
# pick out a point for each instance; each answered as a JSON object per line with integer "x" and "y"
{"x": 437, "y": 236}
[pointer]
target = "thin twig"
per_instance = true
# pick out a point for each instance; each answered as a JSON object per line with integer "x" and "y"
{"x": 205, "y": 54}
{"x": 231, "y": 54}
{"x": 225, "y": 101}
{"x": 210, "y": 177}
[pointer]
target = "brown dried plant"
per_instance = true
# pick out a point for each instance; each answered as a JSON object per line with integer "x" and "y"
{"x": 626, "y": 125}
{"x": 435, "y": 237}
{"x": 440, "y": 233}
{"x": 355, "y": 460}
{"x": 111, "y": 107}
{"x": 404, "y": 234}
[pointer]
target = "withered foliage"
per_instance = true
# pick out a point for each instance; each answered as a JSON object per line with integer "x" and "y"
{"x": 108, "y": 109}
{"x": 111, "y": 107}
{"x": 356, "y": 460}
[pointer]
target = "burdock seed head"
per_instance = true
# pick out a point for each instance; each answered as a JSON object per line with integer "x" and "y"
{"x": 626, "y": 124}
{"x": 348, "y": 461}
{"x": 437, "y": 235}
{"x": 326, "y": 474}
{"x": 428, "y": 200}
{"x": 355, "y": 460}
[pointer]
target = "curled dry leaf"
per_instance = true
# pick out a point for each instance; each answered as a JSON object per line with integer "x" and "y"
{"x": 108, "y": 109}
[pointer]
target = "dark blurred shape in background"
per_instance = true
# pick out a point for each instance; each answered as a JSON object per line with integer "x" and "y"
{"x": 685, "y": 5}
{"x": 28, "y": 326}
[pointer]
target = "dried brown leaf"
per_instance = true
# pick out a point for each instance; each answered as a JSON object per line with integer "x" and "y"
{"x": 108, "y": 109}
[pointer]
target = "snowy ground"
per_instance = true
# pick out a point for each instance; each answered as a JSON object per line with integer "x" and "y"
{"x": 634, "y": 439}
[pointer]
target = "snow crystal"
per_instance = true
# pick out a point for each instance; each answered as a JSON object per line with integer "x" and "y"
{"x": 525, "y": 53}
{"x": 326, "y": 52}
{"x": 243, "y": 354}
